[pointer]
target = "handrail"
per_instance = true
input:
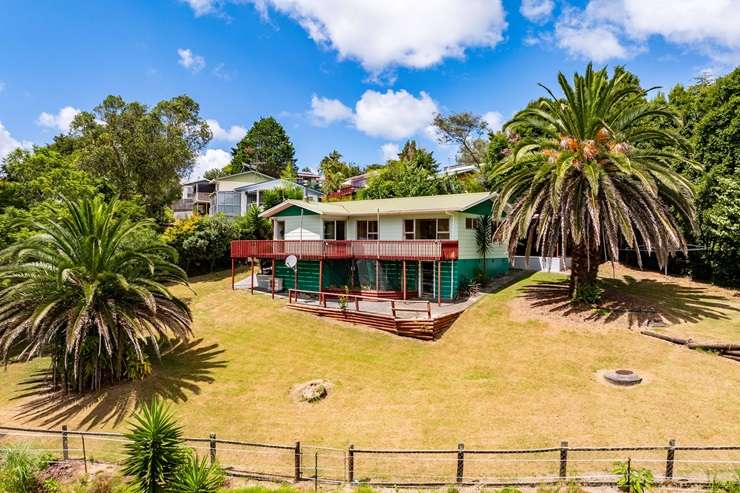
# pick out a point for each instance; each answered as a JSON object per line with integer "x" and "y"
{"x": 345, "y": 249}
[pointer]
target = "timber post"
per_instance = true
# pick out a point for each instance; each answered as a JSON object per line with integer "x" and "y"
{"x": 460, "y": 463}
{"x": 321, "y": 276}
{"x": 351, "y": 464}
{"x": 404, "y": 279}
{"x": 273, "y": 279}
{"x": 670, "y": 456}
{"x": 563, "y": 460}
{"x": 233, "y": 272}
{"x": 297, "y": 459}
{"x": 212, "y": 447}
{"x": 251, "y": 284}
{"x": 439, "y": 283}
{"x": 65, "y": 443}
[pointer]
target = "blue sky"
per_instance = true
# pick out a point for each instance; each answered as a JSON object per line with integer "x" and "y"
{"x": 357, "y": 76}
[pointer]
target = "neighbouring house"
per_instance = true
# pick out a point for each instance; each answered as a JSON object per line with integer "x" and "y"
{"x": 414, "y": 247}
{"x": 349, "y": 187}
{"x": 231, "y": 194}
{"x": 458, "y": 170}
{"x": 195, "y": 199}
{"x": 309, "y": 179}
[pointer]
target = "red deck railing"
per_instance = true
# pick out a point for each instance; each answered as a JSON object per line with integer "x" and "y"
{"x": 359, "y": 249}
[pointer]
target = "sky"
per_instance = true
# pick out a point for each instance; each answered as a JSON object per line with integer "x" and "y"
{"x": 358, "y": 76}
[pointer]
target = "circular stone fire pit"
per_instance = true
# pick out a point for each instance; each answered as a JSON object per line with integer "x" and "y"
{"x": 622, "y": 377}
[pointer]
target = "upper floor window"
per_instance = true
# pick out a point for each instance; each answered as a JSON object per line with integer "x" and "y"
{"x": 334, "y": 230}
{"x": 471, "y": 222}
{"x": 409, "y": 231}
{"x": 427, "y": 229}
{"x": 367, "y": 230}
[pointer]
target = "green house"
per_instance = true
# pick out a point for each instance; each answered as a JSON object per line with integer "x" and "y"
{"x": 415, "y": 247}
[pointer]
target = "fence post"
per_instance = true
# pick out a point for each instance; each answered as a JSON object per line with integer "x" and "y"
{"x": 563, "y": 460}
{"x": 65, "y": 443}
{"x": 669, "y": 459}
{"x": 351, "y": 463}
{"x": 213, "y": 448}
{"x": 297, "y": 461}
{"x": 460, "y": 462}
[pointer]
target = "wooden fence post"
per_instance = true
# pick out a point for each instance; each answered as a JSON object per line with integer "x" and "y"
{"x": 351, "y": 463}
{"x": 669, "y": 459}
{"x": 460, "y": 462}
{"x": 65, "y": 443}
{"x": 213, "y": 448}
{"x": 297, "y": 461}
{"x": 563, "y": 460}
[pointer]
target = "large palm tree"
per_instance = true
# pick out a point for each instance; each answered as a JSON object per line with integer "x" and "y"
{"x": 87, "y": 291}
{"x": 594, "y": 171}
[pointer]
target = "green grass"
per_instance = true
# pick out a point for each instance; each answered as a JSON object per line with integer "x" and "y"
{"x": 491, "y": 381}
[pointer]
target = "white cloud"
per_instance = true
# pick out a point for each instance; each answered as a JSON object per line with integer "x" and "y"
{"x": 233, "y": 134}
{"x": 8, "y": 144}
{"x": 385, "y": 33}
{"x": 389, "y": 151}
{"x": 393, "y": 114}
{"x": 203, "y": 7}
{"x": 616, "y": 29}
{"x": 191, "y": 61}
{"x": 494, "y": 119}
{"x": 212, "y": 158}
{"x": 325, "y": 110}
{"x": 61, "y": 121}
{"x": 536, "y": 10}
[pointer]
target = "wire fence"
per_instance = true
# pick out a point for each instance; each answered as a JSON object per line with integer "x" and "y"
{"x": 670, "y": 463}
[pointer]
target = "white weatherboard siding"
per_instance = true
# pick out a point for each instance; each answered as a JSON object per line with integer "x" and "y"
{"x": 466, "y": 241}
{"x": 312, "y": 227}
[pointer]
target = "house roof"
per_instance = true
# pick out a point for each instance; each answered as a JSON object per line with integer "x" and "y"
{"x": 274, "y": 183}
{"x": 248, "y": 172}
{"x": 404, "y": 205}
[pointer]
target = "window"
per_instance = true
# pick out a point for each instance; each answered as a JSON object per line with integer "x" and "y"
{"x": 471, "y": 223}
{"x": 408, "y": 229}
{"x": 427, "y": 229}
{"x": 279, "y": 230}
{"x": 367, "y": 230}
{"x": 187, "y": 192}
{"x": 333, "y": 230}
{"x": 443, "y": 229}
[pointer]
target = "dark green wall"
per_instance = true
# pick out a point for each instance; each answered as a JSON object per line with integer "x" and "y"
{"x": 294, "y": 210}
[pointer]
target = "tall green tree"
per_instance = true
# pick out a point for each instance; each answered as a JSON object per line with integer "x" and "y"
{"x": 595, "y": 177}
{"x": 335, "y": 170}
{"x": 711, "y": 114}
{"x": 466, "y": 130}
{"x": 140, "y": 151}
{"x": 266, "y": 148}
{"x": 87, "y": 291}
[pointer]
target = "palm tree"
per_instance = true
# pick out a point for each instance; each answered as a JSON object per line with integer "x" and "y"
{"x": 87, "y": 291}
{"x": 593, "y": 171}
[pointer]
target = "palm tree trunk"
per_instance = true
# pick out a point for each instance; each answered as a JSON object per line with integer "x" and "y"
{"x": 584, "y": 268}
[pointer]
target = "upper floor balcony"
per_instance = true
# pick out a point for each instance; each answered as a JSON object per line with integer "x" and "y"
{"x": 347, "y": 249}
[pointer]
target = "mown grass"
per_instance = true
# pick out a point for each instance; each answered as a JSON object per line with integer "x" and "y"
{"x": 489, "y": 382}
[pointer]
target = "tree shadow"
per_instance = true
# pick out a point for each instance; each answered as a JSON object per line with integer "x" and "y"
{"x": 639, "y": 301}
{"x": 181, "y": 371}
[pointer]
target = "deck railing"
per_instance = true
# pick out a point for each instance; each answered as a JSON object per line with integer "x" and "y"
{"x": 352, "y": 301}
{"x": 347, "y": 249}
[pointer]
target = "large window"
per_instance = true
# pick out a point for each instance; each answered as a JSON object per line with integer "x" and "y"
{"x": 367, "y": 230}
{"x": 333, "y": 230}
{"x": 229, "y": 203}
{"x": 427, "y": 229}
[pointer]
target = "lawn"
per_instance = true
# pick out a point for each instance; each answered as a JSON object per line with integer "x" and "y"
{"x": 502, "y": 376}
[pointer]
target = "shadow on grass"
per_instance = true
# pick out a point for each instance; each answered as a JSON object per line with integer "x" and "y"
{"x": 640, "y": 300}
{"x": 181, "y": 371}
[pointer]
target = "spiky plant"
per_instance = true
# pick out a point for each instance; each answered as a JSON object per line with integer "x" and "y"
{"x": 86, "y": 290}
{"x": 484, "y": 236}
{"x": 154, "y": 452}
{"x": 197, "y": 476}
{"x": 594, "y": 174}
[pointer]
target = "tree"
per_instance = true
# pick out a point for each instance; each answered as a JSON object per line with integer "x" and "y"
{"x": 465, "y": 130}
{"x": 413, "y": 174}
{"x": 210, "y": 241}
{"x": 155, "y": 450}
{"x": 595, "y": 177}
{"x": 711, "y": 115}
{"x": 271, "y": 198}
{"x": 140, "y": 151}
{"x": 214, "y": 173}
{"x": 335, "y": 171}
{"x": 251, "y": 226}
{"x": 87, "y": 291}
{"x": 484, "y": 237}
{"x": 266, "y": 148}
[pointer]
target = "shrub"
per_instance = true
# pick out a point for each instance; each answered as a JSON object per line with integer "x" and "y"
{"x": 633, "y": 480}
{"x": 201, "y": 240}
{"x": 20, "y": 468}
{"x": 154, "y": 451}
{"x": 251, "y": 226}
{"x": 589, "y": 294}
{"x": 197, "y": 476}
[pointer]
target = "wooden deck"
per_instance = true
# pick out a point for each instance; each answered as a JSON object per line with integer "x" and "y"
{"x": 346, "y": 249}
{"x": 419, "y": 319}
